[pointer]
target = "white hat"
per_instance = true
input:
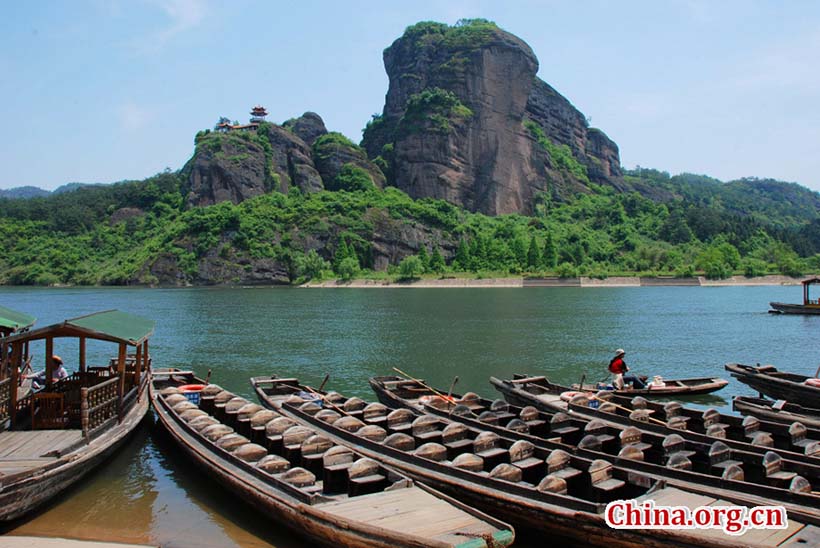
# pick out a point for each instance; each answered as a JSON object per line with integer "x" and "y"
{"x": 619, "y": 352}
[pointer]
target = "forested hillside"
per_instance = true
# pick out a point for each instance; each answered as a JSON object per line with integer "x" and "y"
{"x": 144, "y": 233}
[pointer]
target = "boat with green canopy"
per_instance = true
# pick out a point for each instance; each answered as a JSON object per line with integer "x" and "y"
{"x": 51, "y": 438}
{"x": 809, "y": 306}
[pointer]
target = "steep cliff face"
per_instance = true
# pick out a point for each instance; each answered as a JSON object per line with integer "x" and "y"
{"x": 225, "y": 169}
{"x": 241, "y": 164}
{"x": 453, "y": 124}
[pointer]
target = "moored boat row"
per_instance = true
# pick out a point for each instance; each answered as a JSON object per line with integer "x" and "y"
{"x": 532, "y": 487}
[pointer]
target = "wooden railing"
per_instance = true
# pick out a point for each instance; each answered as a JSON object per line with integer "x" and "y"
{"x": 98, "y": 404}
{"x": 5, "y": 400}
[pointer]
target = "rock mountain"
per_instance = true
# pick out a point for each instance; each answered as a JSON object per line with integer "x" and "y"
{"x": 465, "y": 119}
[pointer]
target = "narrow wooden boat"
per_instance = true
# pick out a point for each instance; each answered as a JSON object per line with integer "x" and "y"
{"x": 809, "y": 306}
{"x": 322, "y": 490}
{"x": 704, "y": 468}
{"x": 547, "y": 492}
{"x": 790, "y": 442}
{"x": 57, "y": 435}
{"x": 664, "y": 388}
{"x": 780, "y": 385}
{"x": 777, "y": 411}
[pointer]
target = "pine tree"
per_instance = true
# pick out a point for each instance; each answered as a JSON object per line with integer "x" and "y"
{"x": 533, "y": 255}
{"x": 462, "y": 258}
{"x": 342, "y": 253}
{"x": 437, "y": 264}
{"x": 550, "y": 258}
{"x": 425, "y": 259}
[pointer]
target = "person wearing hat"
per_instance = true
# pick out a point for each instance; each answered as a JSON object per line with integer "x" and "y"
{"x": 38, "y": 380}
{"x": 618, "y": 367}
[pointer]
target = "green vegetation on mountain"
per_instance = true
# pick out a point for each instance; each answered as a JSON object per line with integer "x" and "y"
{"x": 114, "y": 234}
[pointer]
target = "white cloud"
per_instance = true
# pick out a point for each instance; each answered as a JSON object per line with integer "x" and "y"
{"x": 183, "y": 15}
{"x": 134, "y": 117}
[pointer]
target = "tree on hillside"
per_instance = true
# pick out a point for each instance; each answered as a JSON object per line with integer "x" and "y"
{"x": 461, "y": 261}
{"x": 550, "y": 257}
{"x": 533, "y": 255}
{"x": 437, "y": 264}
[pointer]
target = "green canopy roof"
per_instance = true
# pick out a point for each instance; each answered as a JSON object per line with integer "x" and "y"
{"x": 116, "y": 324}
{"x": 111, "y": 325}
{"x": 11, "y": 319}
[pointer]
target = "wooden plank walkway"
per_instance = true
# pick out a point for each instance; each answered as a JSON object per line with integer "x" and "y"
{"x": 37, "y": 443}
{"x": 26, "y": 450}
{"x": 796, "y": 534}
{"x": 412, "y": 511}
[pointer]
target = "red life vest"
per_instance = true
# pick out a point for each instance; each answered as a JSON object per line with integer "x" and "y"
{"x": 617, "y": 366}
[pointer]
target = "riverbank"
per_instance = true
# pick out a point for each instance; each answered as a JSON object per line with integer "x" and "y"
{"x": 615, "y": 281}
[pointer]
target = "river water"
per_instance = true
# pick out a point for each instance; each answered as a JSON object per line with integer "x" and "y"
{"x": 147, "y": 493}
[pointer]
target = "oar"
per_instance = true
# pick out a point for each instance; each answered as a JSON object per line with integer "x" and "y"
{"x": 595, "y": 397}
{"x": 453, "y": 385}
{"x": 324, "y": 399}
{"x": 324, "y": 382}
{"x": 436, "y": 392}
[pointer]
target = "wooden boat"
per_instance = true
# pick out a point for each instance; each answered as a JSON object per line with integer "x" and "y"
{"x": 780, "y": 385}
{"x": 664, "y": 388}
{"x": 702, "y": 467}
{"x": 777, "y": 411}
{"x": 320, "y": 489}
{"x": 809, "y": 306}
{"x": 56, "y": 435}
{"x": 547, "y": 492}
{"x": 790, "y": 442}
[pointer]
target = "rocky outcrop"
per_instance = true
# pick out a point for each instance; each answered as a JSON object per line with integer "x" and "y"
{"x": 478, "y": 153}
{"x": 241, "y": 164}
{"x": 291, "y": 160}
{"x": 226, "y": 169}
{"x": 333, "y": 151}
{"x": 308, "y": 127}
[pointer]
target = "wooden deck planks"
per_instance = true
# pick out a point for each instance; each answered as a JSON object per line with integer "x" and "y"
{"x": 412, "y": 511}
{"x": 35, "y": 444}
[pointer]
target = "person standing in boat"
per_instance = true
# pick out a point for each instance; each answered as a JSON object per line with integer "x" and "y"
{"x": 618, "y": 367}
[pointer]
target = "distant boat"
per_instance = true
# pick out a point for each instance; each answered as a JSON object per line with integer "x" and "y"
{"x": 809, "y": 306}
{"x": 766, "y": 379}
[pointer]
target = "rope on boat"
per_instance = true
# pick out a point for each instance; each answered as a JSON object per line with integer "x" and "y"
{"x": 487, "y": 537}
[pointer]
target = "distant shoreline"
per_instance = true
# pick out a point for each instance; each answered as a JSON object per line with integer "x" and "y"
{"x": 510, "y": 282}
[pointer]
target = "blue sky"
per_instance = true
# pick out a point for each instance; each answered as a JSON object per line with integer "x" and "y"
{"x": 102, "y": 91}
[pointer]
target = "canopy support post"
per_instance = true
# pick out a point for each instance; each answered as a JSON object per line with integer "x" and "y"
{"x": 82, "y": 355}
{"x": 121, "y": 373}
{"x": 49, "y": 361}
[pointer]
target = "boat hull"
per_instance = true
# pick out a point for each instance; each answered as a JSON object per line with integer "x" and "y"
{"x": 762, "y": 380}
{"x": 43, "y": 484}
{"x": 304, "y": 519}
{"x": 748, "y": 406}
{"x": 787, "y": 308}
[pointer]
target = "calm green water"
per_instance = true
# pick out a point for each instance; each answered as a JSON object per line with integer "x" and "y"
{"x": 147, "y": 493}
